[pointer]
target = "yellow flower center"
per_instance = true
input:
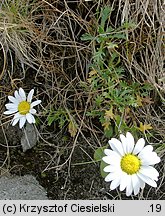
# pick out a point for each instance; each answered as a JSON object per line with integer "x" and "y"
{"x": 130, "y": 164}
{"x": 23, "y": 107}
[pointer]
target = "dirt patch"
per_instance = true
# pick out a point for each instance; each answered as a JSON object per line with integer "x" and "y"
{"x": 70, "y": 181}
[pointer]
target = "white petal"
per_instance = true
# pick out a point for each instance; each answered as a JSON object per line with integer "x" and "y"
{"x": 111, "y": 168}
{"x": 30, "y": 95}
{"x": 116, "y": 146}
{"x": 22, "y": 94}
{"x": 139, "y": 146}
{"x": 17, "y": 115}
{"x": 111, "y": 176}
{"x": 130, "y": 142}
{"x": 30, "y": 118}
{"x": 124, "y": 180}
{"x": 142, "y": 184}
{"x": 17, "y": 96}
{"x": 11, "y": 106}
{"x": 135, "y": 183}
{"x": 13, "y": 110}
{"x": 129, "y": 187}
{"x": 22, "y": 121}
{"x": 111, "y": 160}
{"x": 107, "y": 159}
{"x": 35, "y": 103}
{"x": 149, "y": 171}
{"x": 124, "y": 142}
{"x": 32, "y": 111}
{"x": 110, "y": 153}
{"x": 34, "y": 121}
{"x": 147, "y": 180}
{"x": 115, "y": 183}
{"x": 146, "y": 150}
{"x": 8, "y": 112}
{"x": 14, "y": 122}
{"x": 13, "y": 99}
{"x": 149, "y": 159}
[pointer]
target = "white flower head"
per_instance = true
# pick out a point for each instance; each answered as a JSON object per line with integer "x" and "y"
{"x": 130, "y": 166}
{"x": 22, "y": 106}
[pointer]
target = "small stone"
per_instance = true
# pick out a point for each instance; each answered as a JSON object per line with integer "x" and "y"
{"x": 29, "y": 138}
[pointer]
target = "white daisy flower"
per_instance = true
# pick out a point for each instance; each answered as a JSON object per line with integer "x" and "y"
{"x": 22, "y": 107}
{"x": 130, "y": 166}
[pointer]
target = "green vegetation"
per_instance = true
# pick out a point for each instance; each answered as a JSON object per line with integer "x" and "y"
{"x": 115, "y": 93}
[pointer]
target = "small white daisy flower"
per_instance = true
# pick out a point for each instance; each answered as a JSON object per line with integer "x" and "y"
{"x": 22, "y": 107}
{"x": 130, "y": 166}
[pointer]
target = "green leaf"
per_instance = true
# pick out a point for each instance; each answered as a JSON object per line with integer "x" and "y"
{"x": 117, "y": 35}
{"x": 109, "y": 29}
{"x": 109, "y": 132}
{"x": 50, "y": 120}
{"x": 99, "y": 153}
{"x": 129, "y": 25}
{"x": 101, "y": 38}
{"x": 104, "y": 16}
{"x": 98, "y": 100}
{"x": 99, "y": 56}
{"x": 102, "y": 166}
{"x": 87, "y": 37}
{"x": 62, "y": 121}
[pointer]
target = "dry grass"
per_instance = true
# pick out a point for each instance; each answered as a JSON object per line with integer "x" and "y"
{"x": 144, "y": 59}
{"x": 41, "y": 47}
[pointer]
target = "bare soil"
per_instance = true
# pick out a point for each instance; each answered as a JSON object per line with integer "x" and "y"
{"x": 70, "y": 181}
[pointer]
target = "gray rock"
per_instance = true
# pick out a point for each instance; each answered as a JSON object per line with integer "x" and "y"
{"x": 29, "y": 138}
{"x": 21, "y": 188}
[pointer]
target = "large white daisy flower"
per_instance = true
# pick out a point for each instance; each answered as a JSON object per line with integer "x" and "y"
{"x": 22, "y": 107}
{"x": 130, "y": 166}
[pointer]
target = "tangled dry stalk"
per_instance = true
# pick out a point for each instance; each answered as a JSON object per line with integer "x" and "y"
{"x": 41, "y": 47}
